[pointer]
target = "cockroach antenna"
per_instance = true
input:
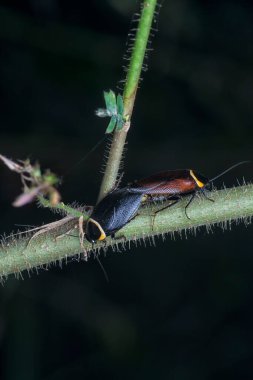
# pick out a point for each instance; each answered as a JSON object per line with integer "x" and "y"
{"x": 228, "y": 170}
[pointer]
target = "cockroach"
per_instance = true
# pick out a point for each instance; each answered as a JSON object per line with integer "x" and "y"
{"x": 121, "y": 205}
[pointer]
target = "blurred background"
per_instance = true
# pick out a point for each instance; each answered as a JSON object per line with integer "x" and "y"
{"x": 183, "y": 309}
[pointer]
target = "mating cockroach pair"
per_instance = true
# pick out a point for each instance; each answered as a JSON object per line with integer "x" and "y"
{"x": 121, "y": 205}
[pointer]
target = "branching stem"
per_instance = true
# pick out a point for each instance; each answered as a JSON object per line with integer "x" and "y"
{"x": 61, "y": 242}
{"x": 130, "y": 89}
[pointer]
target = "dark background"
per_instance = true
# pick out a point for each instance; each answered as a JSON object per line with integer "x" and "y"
{"x": 183, "y": 309}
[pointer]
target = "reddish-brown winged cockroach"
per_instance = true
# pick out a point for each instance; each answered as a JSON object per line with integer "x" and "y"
{"x": 121, "y": 205}
{"x": 174, "y": 185}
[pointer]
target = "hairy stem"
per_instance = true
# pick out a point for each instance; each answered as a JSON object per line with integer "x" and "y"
{"x": 59, "y": 241}
{"x": 129, "y": 94}
{"x": 66, "y": 209}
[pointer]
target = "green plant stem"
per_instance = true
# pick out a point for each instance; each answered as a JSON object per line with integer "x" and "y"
{"x": 129, "y": 94}
{"x": 61, "y": 241}
{"x": 138, "y": 54}
{"x": 61, "y": 207}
